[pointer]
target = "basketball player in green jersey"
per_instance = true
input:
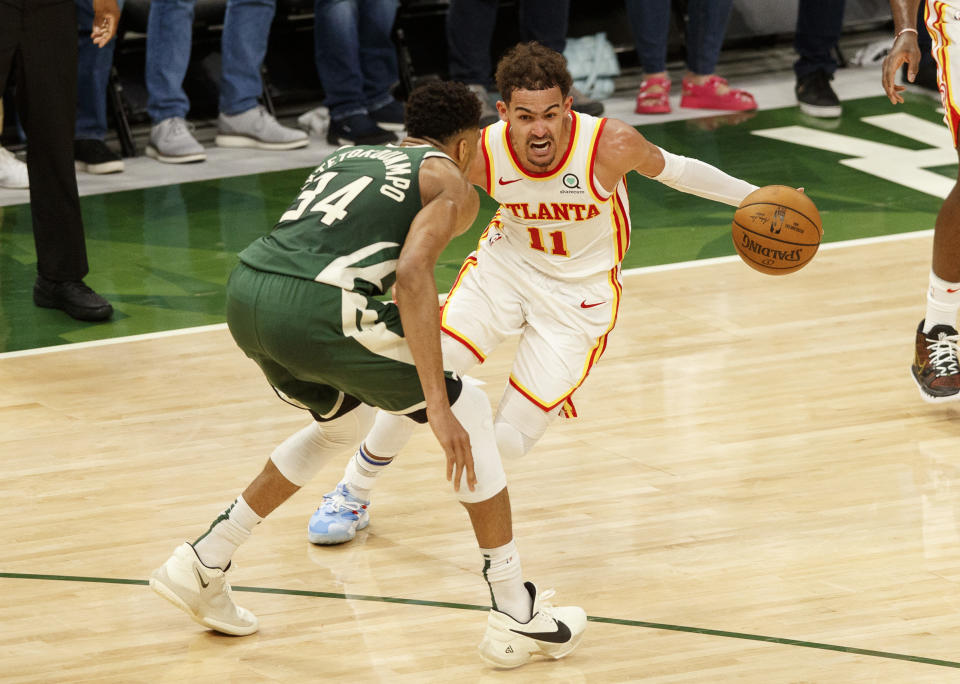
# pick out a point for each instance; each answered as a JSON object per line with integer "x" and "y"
{"x": 304, "y": 304}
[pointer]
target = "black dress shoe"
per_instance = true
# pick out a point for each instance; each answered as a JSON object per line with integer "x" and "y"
{"x": 72, "y": 296}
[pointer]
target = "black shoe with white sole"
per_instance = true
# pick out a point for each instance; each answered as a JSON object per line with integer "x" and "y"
{"x": 93, "y": 156}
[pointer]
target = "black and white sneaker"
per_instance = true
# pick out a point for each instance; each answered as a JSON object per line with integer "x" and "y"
{"x": 390, "y": 116}
{"x": 358, "y": 129}
{"x": 816, "y": 96}
{"x": 93, "y": 156}
{"x": 552, "y": 632}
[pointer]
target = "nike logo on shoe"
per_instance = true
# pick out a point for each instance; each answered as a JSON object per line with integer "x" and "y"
{"x": 949, "y": 290}
{"x": 584, "y": 305}
{"x": 203, "y": 583}
{"x": 560, "y": 636}
{"x": 508, "y": 182}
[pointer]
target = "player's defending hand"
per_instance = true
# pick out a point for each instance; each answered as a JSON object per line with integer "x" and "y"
{"x": 456, "y": 445}
{"x": 905, "y": 50}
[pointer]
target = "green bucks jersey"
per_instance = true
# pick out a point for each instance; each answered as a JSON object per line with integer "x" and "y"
{"x": 349, "y": 221}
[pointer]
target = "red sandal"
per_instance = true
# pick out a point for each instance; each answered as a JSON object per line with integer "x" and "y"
{"x": 705, "y": 96}
{"x": 649, "y": 101}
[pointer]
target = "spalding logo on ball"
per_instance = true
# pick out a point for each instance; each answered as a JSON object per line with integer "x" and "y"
{"x": 777, "y": 229}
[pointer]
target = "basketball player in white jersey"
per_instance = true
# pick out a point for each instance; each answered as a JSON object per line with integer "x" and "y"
{"x": 547, "y": 266}
{"x": 936, "y": 366}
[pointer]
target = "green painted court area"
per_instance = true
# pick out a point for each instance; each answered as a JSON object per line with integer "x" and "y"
{"x": 162, "y": 255}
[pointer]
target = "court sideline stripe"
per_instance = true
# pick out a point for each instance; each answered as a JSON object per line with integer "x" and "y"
{"x": 467, "y": 606}
{"x": 695, "y": 263}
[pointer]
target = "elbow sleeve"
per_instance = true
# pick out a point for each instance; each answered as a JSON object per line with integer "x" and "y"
{"x": 699, "y": 178}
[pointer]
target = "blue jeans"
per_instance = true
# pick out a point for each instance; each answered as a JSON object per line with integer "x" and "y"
{"x": 819, "y": 23}
{"x": 706, "y": 27}
{"x": 470, "y": 25}
{"x": 93, "y": 72}
{"x": 355, "y": 55}
{"x": 246, "y": 28}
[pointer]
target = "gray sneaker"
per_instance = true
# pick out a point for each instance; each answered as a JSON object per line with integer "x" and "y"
{"x": 202, "y": 593}
{"x": 172, "y": 142}
{"x": 488, "y": 113}
{"x": 257, "y": 128}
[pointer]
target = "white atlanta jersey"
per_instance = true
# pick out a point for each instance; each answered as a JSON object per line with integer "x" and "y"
{"x": 562, "y": 222}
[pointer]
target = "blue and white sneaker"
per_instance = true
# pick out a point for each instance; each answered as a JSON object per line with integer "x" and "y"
{"x": 339, "y": 517}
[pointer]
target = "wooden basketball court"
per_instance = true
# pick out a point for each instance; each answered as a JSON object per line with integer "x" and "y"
{"x": 754, "y": 492}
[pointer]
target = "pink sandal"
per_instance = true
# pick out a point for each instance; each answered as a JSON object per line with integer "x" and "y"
{"x": 654, "y": 102}
{"x": 706, "y": 96}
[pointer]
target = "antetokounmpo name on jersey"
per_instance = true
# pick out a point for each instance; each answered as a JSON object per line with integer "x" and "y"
{"x": 396, "y": 166}
{"x": 553, "y": 211}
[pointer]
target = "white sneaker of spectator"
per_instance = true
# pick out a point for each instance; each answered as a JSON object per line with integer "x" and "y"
{"x": 13, "y": 172}
{"x": 315, "y": 122}
{"x": 256, "y": 127}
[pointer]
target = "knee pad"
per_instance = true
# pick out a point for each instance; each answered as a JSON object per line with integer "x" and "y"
{"x": 389, "y": 435}
{"x": 520, "y": 424}
{"x": 472, "y": 409}
{"x": 303, "y": 453}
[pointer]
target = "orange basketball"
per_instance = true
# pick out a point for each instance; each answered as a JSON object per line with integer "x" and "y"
{"x": 777, "y": 229}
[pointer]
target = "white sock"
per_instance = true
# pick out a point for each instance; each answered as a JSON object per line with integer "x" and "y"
{"x": 390, "y": 433}
{"x": 943, "y": 303}
{"x": 231, "y": 528}
{"x": 501, "y": 569}
{"x": 362, "y": 471}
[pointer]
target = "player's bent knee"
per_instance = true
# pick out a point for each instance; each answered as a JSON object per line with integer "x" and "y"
{"x": 303, "y": 453}
{"x": 472, "y": 409}
{"x": 520, "y": 424}
{"x": 510, "y": 441}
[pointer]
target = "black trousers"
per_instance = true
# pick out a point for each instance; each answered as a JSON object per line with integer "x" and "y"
{"x": 38, "y": 38}
{"x": 470, "y": 27}
{"x": 819, "y": 24}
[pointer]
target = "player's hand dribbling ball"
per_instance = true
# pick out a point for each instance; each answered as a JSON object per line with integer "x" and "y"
{"x": 777, "y": 229}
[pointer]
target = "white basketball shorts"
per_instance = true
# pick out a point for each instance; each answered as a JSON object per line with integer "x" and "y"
{"x": 563, "y": 325}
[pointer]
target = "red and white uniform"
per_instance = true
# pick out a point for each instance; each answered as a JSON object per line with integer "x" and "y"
{"x": 547, "y": 266}
{"x": 943, "y": 23}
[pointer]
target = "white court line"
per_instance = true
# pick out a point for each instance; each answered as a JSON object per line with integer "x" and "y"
{"x": 696, "y": 263}
{"x": 112, "y": 340}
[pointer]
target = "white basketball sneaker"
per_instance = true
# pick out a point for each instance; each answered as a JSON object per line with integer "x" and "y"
{"x": 552, "y": 632}
{"x": 202, "y": 593}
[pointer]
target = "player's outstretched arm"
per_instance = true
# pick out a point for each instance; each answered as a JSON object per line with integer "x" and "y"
{"x": 449, "y": 207}
{"x": 905, "y": 48}
{"x": 622, "y": 149}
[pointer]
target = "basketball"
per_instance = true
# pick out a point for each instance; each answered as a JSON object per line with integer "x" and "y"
{"x": 777, "y": 229}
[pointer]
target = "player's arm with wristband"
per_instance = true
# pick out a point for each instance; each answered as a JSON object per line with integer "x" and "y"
{"x": 905, "y": 48}
{"x": 623, "y": 149}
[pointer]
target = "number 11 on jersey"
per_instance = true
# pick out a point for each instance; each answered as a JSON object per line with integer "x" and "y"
{"x": 557, "y": 238}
